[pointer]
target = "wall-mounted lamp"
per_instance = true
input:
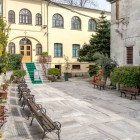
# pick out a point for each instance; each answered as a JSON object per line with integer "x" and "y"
{"x": 44, "y": 26}
{"x": 118, "y": 31}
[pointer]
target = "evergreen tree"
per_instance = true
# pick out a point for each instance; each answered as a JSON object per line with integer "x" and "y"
{"x": 100, "y": 42}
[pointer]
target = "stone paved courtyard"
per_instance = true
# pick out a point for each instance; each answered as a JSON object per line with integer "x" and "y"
{"x": 84, "y": 112}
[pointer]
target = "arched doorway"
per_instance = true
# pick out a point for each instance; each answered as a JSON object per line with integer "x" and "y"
{"x": 26, "y": 49}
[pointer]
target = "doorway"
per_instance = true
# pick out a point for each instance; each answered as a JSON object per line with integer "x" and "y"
{"x": 58, "y": 67}
{"x": 26, "y": 50}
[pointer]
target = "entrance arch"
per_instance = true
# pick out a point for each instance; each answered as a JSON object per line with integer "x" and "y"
{"x": 26, "y": 49}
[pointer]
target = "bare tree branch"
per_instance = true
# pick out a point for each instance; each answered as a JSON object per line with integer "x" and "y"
{"x": 81, "y": 3}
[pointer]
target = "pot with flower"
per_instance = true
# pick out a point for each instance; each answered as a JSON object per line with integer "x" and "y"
{"x": 43, "y": 57}
{"x": 67, "y": 67}
{"x": 53, "y": 73}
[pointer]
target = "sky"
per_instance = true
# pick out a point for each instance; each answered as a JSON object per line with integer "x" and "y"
{"x": 103, "y": 5}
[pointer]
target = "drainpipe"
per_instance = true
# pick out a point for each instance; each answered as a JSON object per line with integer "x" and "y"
{"x": 47, "y": 28}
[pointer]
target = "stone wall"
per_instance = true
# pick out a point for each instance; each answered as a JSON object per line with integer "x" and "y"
{"x": 126, "y": 31}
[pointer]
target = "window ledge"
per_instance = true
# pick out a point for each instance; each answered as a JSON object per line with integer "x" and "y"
{"x": 58, "y": 57}
{"x": 12, "y": 22}
{"x": 77, "y": 29}
{"x": 91, "y": 31}
{"x": 58, "y": 27}
{"x": 26, "y": 24}
{"x": 75, "y": 69}
{"x": 75, "y": 56}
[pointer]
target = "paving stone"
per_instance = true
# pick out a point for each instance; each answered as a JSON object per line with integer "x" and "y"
{"x": 84, "y": 112}
{"x": 15, "y": 111}
{"x": 20, "y": 129}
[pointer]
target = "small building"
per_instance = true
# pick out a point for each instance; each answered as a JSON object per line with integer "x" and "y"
{"x": 125, "y": 31}
{"x": 41, "y": 26}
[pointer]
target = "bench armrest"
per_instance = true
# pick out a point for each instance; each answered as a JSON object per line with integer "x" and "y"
{"x": 58, "y": 124}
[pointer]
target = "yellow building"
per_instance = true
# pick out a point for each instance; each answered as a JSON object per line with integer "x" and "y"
{"x": 38, "y": 26}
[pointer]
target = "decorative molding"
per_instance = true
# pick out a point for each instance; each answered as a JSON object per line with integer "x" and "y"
{"x": 130, "y": 42}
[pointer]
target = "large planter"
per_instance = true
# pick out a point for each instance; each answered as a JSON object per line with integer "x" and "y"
{"x": 52, "y": 78}
{"x": 66, "y": 76}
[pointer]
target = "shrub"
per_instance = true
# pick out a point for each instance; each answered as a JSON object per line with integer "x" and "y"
{"x": 44, "y": 54}
{"x": 19, "y": 73}
{"x": 54, "y": 71}
{"x": 93, "y": 70}
{"x": 127, "y": 75}
{"x": 14, "y": 61}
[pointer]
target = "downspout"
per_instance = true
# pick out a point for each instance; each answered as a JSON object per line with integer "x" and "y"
{"x": 48, "y": 28}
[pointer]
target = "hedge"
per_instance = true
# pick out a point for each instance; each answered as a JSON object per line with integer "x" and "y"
{"x": 127, "y": 76}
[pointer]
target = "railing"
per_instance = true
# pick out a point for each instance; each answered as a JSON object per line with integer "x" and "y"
{"x": 43, "y": 68}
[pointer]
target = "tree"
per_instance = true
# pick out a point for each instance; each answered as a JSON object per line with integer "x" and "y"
{"x": 4, "y": 30}
{"x": 100, "y": 42}
{"x": 107, "y": 64}
{"x": 80, "y": 3}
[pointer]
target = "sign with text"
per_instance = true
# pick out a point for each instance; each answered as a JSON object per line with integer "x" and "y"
{"x": 36, "y": 75}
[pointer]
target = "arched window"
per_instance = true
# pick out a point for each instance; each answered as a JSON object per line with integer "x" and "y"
{"x": 76, "y": 23}
{"x": 38, "y": 19}
{"x": 57, "y": 21}
{"x": 11, "y": 48}
{"x": 25, "y": 16}
{"x": 38, "y": 49}
{"x": 24, "y": 41}
{"x": 92, "y": 25}
{"x": 11, "y": 16}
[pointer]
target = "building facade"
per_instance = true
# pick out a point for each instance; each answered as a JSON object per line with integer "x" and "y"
{"x": 38, "y": 26}
{"x": 125, "y": 31}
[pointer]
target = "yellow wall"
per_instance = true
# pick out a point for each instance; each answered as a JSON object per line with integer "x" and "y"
{"x": 36, "y": 34}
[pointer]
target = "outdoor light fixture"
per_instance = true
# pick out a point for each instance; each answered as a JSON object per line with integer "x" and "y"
{"x": 44, "y": 26}
{"x": 118, "y": 31}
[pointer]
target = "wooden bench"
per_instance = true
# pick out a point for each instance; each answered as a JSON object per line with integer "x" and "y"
{"x": 22, "y": 91}
{"x": 20, "y": 86}
{"x": 99, "y": 84}
{"x": 32, "y": 105}
{"x": 27, "y": 96}
{"x": 129, "y": 90}
{"x": 45, "y": 122}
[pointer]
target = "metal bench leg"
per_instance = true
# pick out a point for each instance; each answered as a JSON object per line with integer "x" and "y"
{"x": 125, "y": 94}
{"x": 31, "y": 121}
{"x": 20, "y": 96}
{"x": 58, "y": 135}
{"x": 23, "y": 106}
{"x": 135, "y": 97}
{"x": 131, "y": 97}
{"x": 121, "y": 94}
{"x": 43, "y": 135}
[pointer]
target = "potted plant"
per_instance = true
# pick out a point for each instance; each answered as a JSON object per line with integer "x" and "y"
{"x": 53, "y": 73}
{"x": 43, "y": 57}
{"x": 19, "y": 74}
{"x": 67, "y": 67}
